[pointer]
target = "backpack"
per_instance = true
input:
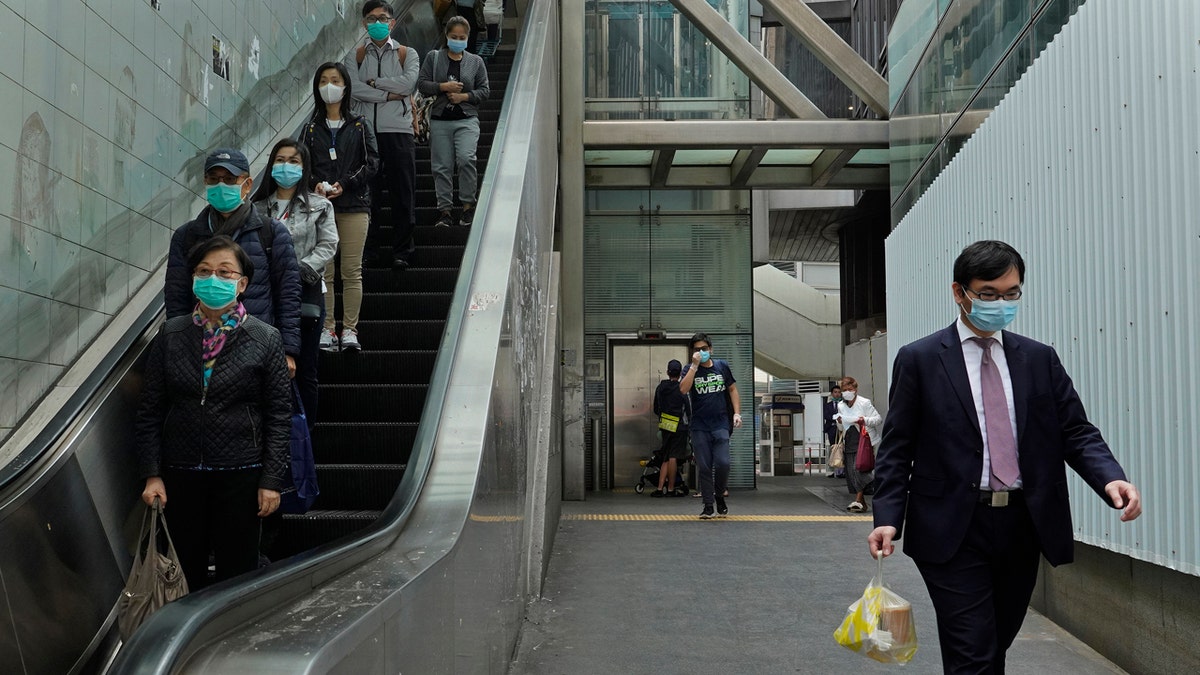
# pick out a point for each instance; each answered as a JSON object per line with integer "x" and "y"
{"x": 416, "y": 102}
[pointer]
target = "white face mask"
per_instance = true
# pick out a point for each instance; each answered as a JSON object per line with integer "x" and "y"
{"x": 331, "y": 93}
{"x": 847, "y": 396}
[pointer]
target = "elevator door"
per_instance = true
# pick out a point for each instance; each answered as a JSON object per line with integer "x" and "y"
{"x": 637, "y": 370}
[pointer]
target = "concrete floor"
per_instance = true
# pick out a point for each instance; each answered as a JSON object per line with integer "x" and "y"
{"x": 640, "y": 585}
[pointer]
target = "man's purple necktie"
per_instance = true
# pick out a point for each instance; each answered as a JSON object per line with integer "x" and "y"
{"x": 1001, "y": 447}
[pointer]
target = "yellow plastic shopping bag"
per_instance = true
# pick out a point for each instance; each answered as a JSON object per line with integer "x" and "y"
{"x": 880, "y": 624}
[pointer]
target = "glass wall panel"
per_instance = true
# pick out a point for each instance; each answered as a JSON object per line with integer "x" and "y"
{"x": 975, "y": 53}
{"x": 677, "y": 261}
{"x": 647, "y": 61}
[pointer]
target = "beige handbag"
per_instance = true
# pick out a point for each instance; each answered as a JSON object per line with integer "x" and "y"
{"x": 837, "y": 452}
{"x": 154, "y": 580}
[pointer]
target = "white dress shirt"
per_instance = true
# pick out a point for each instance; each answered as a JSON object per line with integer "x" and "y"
{"x": 973, "y": 356}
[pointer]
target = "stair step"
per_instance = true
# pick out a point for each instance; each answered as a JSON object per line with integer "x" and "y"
{"x": 414, "y": 279}
{"x": 363, "y": 442}
{"x": 349, "y": 487}
{"x": 299, "y": 533}
{"x": 372, "y": 402}
{"x": 380, "y": 367}
{"x": 403, "y": 334}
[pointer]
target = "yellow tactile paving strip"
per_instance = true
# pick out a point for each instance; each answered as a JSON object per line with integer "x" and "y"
{"x": 743, "y": 518}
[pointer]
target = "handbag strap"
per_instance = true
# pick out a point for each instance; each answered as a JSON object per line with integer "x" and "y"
{"x": 159, "y": 516}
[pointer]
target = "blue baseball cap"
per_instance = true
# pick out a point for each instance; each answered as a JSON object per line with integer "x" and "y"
{"x": 229, "y": 159}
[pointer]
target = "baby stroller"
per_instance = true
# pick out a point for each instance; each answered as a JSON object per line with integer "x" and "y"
{"x": 651, "y": 469}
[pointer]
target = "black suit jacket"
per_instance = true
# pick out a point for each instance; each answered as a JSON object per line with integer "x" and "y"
{"x": 931, "y": 456}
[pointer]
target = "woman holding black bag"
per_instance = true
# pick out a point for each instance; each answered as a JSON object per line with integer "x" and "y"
{"x": 214, "y": 424}
{"x": 857, "y": 414}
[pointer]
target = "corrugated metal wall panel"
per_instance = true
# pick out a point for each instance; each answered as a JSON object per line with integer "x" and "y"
{"x": 1089, "y": 168}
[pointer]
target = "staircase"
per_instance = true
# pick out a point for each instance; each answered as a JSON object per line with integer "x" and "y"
{"x": 371, "y": 402}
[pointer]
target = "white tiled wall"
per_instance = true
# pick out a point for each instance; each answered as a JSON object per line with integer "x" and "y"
{"x": 107, "y": 108}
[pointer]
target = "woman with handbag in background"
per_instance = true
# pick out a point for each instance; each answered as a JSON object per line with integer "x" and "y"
{"x": 858, "y": 416}
{"x": 214, "y": 422}
{"x": 457, "y": 81}
{"x": 284, "y": 195}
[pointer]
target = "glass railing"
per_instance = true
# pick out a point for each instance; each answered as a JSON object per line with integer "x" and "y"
{"x": 954, "y": 62}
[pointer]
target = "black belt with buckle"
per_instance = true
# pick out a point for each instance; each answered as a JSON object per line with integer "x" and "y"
{"x": 1000, "y": 499}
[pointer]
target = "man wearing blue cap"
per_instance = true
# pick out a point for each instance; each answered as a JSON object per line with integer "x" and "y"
{"x": 670, "y": 405}
{"x": 273, "y": 295}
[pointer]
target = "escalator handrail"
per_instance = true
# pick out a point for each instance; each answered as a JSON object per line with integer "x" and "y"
{"x": 174, "y": 633}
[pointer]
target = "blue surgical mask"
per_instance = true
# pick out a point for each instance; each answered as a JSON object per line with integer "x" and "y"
{"x": 992, "y": 316}
{"x": 705, "y": 356}
{"x": 287, "y": 175}
{"x": 215, "y": 292}
{"x": 224, "y": 198}
{"x": 456, "y": 46}
{"x": 378, "y": 30}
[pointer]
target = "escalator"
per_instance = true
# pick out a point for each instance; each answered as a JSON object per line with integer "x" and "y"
{"x": 388, "y": 483}
{"x": 371, "y": 401}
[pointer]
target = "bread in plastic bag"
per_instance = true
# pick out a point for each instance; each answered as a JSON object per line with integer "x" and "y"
{"x": 879, "y": 624}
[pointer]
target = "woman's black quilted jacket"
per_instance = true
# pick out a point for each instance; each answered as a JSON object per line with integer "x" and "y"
{"x": 245, "y": 418}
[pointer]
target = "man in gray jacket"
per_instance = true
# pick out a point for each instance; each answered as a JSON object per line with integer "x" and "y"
{"x": 384, "y": 76}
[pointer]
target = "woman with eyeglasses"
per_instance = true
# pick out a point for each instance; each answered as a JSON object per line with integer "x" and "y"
{"x": 214, "y": 421}
{"x": 345, "y": 157}
{"x": 308, "y": 217}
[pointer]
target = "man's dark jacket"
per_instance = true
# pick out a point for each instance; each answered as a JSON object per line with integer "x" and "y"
{"x": 244, "y": 419}
{"x": 930, "y": 458}
{"x": 273, "y": 295}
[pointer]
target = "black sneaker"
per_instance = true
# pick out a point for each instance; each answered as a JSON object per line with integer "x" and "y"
{"x": 656, "y": 493}
{"x": 468, "y": 215}
{"x": 707, "y": 513}
{"x": 722, "y": 510}
{"x": 445, "y": 220}
{"x": 399, "y": 264}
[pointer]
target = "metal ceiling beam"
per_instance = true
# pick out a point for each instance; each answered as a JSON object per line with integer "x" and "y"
{"x": 660, "y": 166}
{"x": 828, "y": 163}
{"x": 718, "y": 177}
{"x": 747, "y": 134}
{"x": 751, "y": 61}
{"x": 833, "y": 51}
{"x": 745, "y": 162}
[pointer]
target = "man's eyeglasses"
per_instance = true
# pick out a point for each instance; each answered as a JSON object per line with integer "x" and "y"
{"x": 228, "y": 179}
{"x": 989, "y": 296}
{"x": 378, "y": 18}
{"x": 702, "y": 348}
{"x": 227, "y": 275}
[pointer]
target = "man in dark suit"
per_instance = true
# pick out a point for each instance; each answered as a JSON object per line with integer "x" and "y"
{"x": 971, "y": 468}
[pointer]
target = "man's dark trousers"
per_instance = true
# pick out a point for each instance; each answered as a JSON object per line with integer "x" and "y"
{"x": 397, "y": 152}
{"x": 982, "y": 593}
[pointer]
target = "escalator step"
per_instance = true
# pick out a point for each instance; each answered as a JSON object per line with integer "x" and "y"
{"x": 363, "y": 443}
{"x": 302, "y": 532}
{"x": 372, "y": 402}
{"x": 441, "y": 236}
{"x": 380, "y": 367}
{"x": 403, "y": 334}
{"x": 410, "y": 305}
{"x": 357, "y": 486}
{"x": 414, "y": 280}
